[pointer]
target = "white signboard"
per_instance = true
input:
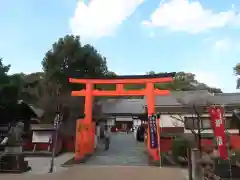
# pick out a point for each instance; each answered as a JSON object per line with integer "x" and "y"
{"x": 41, "y": 136}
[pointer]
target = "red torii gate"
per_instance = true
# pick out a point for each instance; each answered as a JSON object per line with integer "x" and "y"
{"x": 86, "y": 128}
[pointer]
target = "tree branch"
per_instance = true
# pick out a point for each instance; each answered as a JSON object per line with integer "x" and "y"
{"x": 180, "y": 118}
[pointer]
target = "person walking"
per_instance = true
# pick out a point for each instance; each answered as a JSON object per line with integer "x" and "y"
{"x": 106, "y": 137}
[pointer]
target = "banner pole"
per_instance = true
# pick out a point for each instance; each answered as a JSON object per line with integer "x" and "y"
{"x": 159, "y": 138}
{"x": 229, "y": 144}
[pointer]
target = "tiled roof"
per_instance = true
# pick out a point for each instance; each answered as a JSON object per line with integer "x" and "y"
{"x": 176, "y": 99}
{"x": 179, "y": 98}
{"x": 123, "y": 106}
{"x": 227, "y": 98}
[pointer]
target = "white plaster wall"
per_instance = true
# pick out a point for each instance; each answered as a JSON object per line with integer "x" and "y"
{"x": 110, "y": 122}
{"x": 207, "y": 115}
{"x": 124, "y": 119}
{"x": 170, "y": 121}
{"x": 208, "y": 131}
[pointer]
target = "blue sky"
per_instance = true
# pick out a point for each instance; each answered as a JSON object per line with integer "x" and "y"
{"x": 136, "y": 36}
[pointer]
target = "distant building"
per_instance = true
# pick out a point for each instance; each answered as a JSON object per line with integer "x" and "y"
{"x": 123, "y": 113}
{"x": 175, "y": 117}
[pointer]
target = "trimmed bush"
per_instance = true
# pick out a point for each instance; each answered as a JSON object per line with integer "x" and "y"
{"x": 179, "y": 147}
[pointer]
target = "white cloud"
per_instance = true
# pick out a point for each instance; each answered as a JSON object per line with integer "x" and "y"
{"x": 101, "y": 17}
{"x": 222, "y": 45}
{"x": 209, "y": 78}
{"x": 189, "y": 16}
{"x": 225, "y": 81}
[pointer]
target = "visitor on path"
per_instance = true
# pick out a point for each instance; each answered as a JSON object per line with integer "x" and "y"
{"x": 140, "y": 133}
{"x": 106, "y": 137}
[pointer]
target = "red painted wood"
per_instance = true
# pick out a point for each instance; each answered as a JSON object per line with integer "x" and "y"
{"x": 165, "y": 145}
{"x": 235, "y": 141}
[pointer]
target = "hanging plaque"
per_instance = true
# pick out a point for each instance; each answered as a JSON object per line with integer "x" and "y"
{"x": 153, "y": 131}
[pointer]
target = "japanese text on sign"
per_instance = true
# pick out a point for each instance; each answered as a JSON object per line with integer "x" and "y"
{"x": 219, "y": 140}
{"x": 218, "y": 122}
{"x": 153, "y": 132}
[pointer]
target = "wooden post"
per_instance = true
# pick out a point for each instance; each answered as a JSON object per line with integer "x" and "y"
{"x": 189, "y": 155}
{"x": 88, "y": 116}
{"x": 151, "y": 110}
{"x": 197, "y": 173}
{"x": 88, "y": 103}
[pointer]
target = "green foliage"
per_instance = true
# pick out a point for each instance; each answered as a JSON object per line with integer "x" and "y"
{"x": 68, "y": 58}
{"x": 8, "y": 94}
{"x": 236, "y": 71}
{"x": 235, "y": 156}
{"x": 184, "y": 81}
{"x": 8, "y": 91}
{"x": 4, "y": 79}
{"x": 179, "y": 147}
{"x": 17, "y": 79}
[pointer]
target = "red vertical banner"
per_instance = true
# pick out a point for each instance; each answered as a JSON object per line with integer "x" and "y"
{"x": 216, "y": 117}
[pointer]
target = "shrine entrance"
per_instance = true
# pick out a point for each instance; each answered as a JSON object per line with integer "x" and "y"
{"x": 85, "y": 128}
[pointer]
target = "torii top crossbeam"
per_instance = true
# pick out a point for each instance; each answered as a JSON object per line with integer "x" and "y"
{"x": 120, "y": 80}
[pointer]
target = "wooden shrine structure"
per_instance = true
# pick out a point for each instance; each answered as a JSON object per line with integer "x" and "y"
{"x": 85, "y": 128}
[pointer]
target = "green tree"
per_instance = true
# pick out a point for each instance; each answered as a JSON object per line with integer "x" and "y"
{"x": 17, "y": 79}
{"x": 3, "y": 73}
{"x": 184, "y": 81}
{"x": 8, "y": 92}
{"x": 151, "y": 73}
{"x": 236, "y": 71}
{"x": 68, "y": 58}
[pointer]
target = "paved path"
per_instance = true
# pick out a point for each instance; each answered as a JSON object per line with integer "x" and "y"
{"x": 41, "y": 165}
{"x": 103, "y": 172}
{"x": 124, "y": 151}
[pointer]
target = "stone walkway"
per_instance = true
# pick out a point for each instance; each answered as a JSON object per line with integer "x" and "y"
{"x": 124, "y": 151}
{"x": 106, "y": 173}
{"x": 41, "y": 165}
